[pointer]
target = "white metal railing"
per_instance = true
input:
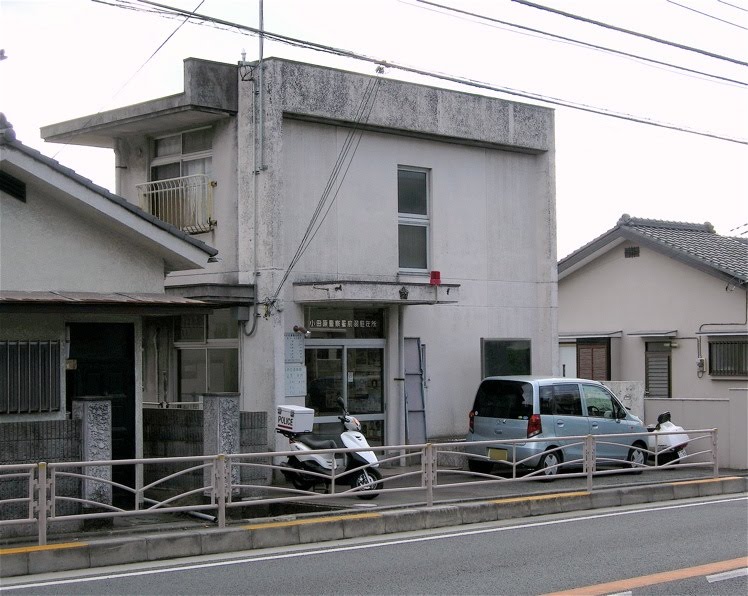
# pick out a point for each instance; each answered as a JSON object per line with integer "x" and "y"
{"x": 427, "y": 468}
{"x": 185, "y": 202}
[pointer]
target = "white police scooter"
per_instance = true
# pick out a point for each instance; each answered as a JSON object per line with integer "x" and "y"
{"x": 357, "y": 469}
{"x": 670, "y": 447}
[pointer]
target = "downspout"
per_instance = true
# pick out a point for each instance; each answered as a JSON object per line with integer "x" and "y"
{"x": 258, "y": 143}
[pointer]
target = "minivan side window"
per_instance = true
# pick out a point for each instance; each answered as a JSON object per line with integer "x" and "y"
{"x": 503, "y": 399}
{"x": 600, "y": 403}
{"x": 561, "y": 400}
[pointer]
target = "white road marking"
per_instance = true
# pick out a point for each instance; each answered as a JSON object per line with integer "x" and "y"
{"x": 718, "y": 577}
{"x": 337, "y": 549}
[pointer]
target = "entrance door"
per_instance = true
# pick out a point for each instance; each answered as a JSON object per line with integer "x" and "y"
{"x": 105, "y": 365}
{"x": 354, "y": 371}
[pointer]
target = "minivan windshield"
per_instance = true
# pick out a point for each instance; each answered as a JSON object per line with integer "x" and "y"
{"x": 504, "y": 399}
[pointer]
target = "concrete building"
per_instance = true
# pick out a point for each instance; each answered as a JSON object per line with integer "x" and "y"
{"x": 383, "y": 241}
{"x": 664, "y": 304}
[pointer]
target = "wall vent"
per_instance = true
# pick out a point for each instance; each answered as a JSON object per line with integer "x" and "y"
{"x": 631, "y": 252}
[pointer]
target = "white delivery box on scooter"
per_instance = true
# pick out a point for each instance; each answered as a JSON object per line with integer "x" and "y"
{"x": 294, "y": 419}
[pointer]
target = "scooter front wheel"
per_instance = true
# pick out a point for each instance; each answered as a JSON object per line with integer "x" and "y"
{"x": 366, "y": 481}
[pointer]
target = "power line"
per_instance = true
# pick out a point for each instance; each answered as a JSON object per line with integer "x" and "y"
{"x": 706, "y": 15}
{"x": 629, "y": 32}
{"x": 732, "y": 5}
{"x": 443, "y": 76}
{"x": 579, "y": 42}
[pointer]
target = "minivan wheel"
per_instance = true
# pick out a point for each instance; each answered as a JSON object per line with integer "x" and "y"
{"x": 479, "y": 466}
{"x": 637, "y": 457}
{"x": 549, "y": 464}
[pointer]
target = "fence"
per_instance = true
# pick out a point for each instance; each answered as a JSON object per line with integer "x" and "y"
{"x": 426, "y": 468}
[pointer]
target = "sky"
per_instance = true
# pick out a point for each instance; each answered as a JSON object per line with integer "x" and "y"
{"x": 71, "y": 58}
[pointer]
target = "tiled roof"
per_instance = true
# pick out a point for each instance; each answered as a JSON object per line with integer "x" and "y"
{"x": 695, "y": 244}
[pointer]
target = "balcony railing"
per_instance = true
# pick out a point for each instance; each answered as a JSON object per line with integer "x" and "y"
{"x": 185, "y": 202}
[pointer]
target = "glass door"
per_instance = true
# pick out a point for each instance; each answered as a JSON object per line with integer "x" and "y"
{"x": 352, "y": 370}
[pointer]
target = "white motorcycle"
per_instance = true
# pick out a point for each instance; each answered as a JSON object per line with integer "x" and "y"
{"x": 357, "y": 469}
{"x": 670, "y": 447}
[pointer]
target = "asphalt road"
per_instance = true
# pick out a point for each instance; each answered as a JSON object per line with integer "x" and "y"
{"x": 627, "y": 549}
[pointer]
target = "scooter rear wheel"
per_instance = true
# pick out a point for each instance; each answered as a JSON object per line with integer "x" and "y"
{"x": 369, "y": 480}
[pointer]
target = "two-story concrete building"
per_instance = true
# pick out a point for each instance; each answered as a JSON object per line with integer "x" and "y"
{"x": 383, "y": 241}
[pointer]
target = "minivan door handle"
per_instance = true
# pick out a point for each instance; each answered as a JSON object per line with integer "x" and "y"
{"x": 559, "y": 422}
{"x": 594, "y": 425}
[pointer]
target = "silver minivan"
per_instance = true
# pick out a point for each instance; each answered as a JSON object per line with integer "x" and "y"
{"x": 527, "y": 407}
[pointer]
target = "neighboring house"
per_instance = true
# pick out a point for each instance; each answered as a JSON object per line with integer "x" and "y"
{"x": 664, "y": 304}
{"x": 430, "y": 263}
{"x": 659, "y": 302}
{"x": 81, "y": 272}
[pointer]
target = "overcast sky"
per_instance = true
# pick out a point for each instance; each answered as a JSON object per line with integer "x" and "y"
{"x": 71, "y": 58}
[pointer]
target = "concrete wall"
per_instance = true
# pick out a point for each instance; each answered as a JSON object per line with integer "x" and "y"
{"x": 652, "y": 292}
{"x": 47, "y": 246}
{"x": 727, "y": 414}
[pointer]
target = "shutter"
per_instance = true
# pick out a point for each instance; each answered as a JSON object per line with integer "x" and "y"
{"x": 593, "y": 361}
{"x": 658, "y": 374}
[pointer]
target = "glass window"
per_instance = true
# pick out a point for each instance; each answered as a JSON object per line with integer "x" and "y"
{"x": 600, "y": 403}
{"x": 728, "y": 358}
{"x": 413, "y": 218}
{"x": 185, "y": 154}
{"x": 566, "y": 400}
{"x": 504, "y": 399}
{"x": 505, "y": 357}
{"x": 208, "y": 354}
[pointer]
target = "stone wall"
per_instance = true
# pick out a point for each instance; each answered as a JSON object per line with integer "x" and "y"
{"x": 33, "y": 442}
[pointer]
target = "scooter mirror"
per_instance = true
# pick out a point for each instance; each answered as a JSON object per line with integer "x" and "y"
{"x": 341, "y": 403}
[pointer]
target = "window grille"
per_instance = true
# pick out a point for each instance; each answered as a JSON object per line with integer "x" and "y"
{"x": 30, "y": 377}
{"x": 631, "y": 252}
{"x": 728, "y": 358}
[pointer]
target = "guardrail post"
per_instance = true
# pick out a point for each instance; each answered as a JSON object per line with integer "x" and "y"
{"x": 41, "y": 503}
{"x": 428, "y": 454}
{"x": 220, "y": 488}
{"x": 589, "y": 459}
{"x": 715, "y": 452}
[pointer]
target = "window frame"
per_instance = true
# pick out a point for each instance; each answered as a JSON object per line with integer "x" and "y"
{"x": 720, "y": 369}
{"x": 181, "y": 157}
{"x": 415, "y": 220}
{"x": 206, "y": 345}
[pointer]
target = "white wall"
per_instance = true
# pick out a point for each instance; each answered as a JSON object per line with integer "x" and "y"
{"x": 46, "y": 246}
{"x": 648, "y": 293}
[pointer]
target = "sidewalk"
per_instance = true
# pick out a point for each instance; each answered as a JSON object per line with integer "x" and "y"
{"x": 131, "y": 541}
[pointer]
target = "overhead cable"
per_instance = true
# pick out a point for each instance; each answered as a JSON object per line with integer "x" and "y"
{"x": 629, "y": 32}
{"x": 579, "y": 42}
{"x": 447, "y": 77}
{"x": 678, "y": 4}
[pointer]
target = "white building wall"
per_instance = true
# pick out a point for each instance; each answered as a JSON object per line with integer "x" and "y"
{"x": 46, "y": 246}
{"x": 652, "y": 293}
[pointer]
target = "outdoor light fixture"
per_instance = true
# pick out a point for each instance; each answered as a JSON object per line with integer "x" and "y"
{"x": 300, "y": 329}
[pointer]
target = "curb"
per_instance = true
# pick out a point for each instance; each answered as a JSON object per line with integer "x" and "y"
{"x": 27, "y": 560}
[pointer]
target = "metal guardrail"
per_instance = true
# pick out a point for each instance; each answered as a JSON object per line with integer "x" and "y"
{"x": 428, "y": 468}
{"x": 185, "y": 202}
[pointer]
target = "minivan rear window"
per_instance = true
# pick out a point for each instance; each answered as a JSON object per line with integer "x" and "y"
{"x": 503, "y": 399}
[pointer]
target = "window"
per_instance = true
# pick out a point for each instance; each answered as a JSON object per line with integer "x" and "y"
{"x": 413, "y": 219}
{"x": 30, "y": 377}
{"x": 631, "y": 252}
{"x": 208, "y": 354}
{"x": 657, "y": 368}
{"x": 600, "y": 403}
{"x": 593, "y": 359}
{"x": 185, "y": 154}
{"x": 560, "y": 400}
{"x": 728, "y": 358}
{"x": 505, "y": 357}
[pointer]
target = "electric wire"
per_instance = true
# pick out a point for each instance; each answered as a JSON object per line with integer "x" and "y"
{"x": 580, "y": 43}
{"x": 450, "y": 78}
{"x": 334, "y": 181}
{"x": 128, "y": 81}
{"x": 678, "y": 4}
{"x": 733, "y": 5}
{"x": 630, "y": 32}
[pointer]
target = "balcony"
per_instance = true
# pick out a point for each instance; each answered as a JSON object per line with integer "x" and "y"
{"x": 185, "y": 202}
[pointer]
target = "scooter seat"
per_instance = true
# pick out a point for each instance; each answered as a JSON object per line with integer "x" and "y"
{"x": 318, "y": 443}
